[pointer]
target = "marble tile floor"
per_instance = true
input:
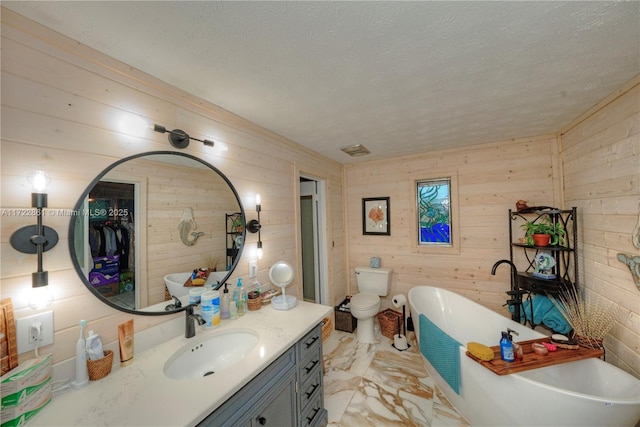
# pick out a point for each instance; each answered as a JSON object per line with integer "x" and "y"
{"x": 377, "y": 385}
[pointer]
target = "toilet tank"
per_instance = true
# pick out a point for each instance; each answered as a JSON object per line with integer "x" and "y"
{"x": 375, "y": 281}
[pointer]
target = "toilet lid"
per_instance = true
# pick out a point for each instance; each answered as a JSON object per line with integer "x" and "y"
{"x": 364, "y": 301}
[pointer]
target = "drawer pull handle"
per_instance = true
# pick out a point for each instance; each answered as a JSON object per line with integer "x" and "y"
{"x": 313, "y": 389}
{"x": 315, "y": 411}
{"x": 310, "y": 343}
{"x": 262, "y": 421}
{"x": 310, "y": 368}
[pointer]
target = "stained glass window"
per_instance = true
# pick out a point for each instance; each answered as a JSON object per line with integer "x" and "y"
{"x": 434, "y": 212}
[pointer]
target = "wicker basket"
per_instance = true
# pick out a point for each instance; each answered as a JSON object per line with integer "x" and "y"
{"x": 344, "y": 320}
{"x": 254, "y": 302}
{"x": 327, "y": 328}
{"x": 390, "y": 322}
{"x": 100, "y": 368}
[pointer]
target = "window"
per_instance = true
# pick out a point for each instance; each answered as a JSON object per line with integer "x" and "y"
{"x": 434, "y": 212}
{"x": 436, "y": 228}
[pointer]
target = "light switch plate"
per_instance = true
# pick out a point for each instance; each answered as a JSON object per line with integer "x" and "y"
{"x": 253, "y": 269}
{"x": 23, "y": 331}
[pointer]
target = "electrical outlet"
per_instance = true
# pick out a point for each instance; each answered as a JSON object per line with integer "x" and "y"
{"x": 253, "y": 269}
{"x": 28, "y": 329}
{"x": 35, "y": 331}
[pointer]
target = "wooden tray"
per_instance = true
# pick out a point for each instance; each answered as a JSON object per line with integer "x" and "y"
{"x": 188, "y": 283}
{"x": 532, "y": 360}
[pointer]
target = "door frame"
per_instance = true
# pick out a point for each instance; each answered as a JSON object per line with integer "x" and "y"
{"x": 321, "y": 238}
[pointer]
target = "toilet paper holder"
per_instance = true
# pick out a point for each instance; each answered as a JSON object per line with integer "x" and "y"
{"x": 400, "y": 340}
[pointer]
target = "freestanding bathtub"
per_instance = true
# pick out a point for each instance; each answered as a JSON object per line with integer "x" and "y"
{"x": 589, "y": 392}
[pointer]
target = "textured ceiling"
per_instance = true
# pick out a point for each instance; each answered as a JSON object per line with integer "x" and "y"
{"x": 398, "y": 77}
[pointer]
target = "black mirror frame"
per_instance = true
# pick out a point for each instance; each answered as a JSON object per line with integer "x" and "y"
{"x": 80, "y": 203}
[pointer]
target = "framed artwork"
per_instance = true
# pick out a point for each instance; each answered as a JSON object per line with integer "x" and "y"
{"x": 434, "y": 211}
{"x": 375, "y": 216}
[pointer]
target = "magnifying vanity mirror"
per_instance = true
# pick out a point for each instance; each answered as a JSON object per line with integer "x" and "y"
{"x": 150, "y": 216}
{"x": 281, "y": 274}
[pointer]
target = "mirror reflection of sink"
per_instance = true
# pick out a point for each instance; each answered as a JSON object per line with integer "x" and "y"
{"x": 175, "y": 282}
{"x": 211, "y": 354}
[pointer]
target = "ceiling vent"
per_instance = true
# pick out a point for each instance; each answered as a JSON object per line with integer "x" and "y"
{"x": 356, "y": 150}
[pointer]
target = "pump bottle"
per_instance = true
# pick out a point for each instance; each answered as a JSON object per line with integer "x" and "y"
{"x": 240, "y": 297}
{"x": 506, "y": 347}
{"x": 224, "y": 303}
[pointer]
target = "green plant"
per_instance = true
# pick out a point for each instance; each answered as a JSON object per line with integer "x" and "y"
{"x": 237, "y": 223}
{"x": 543, "y": 225}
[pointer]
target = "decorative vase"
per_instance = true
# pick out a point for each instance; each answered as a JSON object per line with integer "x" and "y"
{"x": 541, "y": 239}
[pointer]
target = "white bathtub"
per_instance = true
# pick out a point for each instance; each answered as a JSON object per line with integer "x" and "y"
{"x": 589, "y": 392}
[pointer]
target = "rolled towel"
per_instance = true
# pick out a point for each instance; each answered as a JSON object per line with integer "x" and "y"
{"x": 540, "y": 309}
{"x": 556, "y": 321}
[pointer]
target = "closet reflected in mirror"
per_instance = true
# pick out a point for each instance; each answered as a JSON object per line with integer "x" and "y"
{"x": 148, "y": 216}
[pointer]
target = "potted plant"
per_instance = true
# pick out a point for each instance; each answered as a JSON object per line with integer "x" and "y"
{"x": 590, "y": 315}
{"x": 237, "y": 224}
{"x": 542, "y": 232}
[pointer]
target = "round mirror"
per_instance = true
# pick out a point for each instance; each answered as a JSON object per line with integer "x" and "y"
{"x": 156, "y": 222}
{"x": 281, "y": 274}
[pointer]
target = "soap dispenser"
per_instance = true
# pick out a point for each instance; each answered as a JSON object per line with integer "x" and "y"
{"x": 240, "y": 297}
{"x": 506, "y": 347}
{"x": 224, "y": 303}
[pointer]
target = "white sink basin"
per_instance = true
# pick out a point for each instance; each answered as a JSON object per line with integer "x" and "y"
{"x": 175, "y": 282}
{"x": 212, "y": 354}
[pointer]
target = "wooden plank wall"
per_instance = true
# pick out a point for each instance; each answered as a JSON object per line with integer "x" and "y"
{"x": 601, "y": 162}
{"x": 170, "y": 189}
{"x": 62, "y": 104}
{"x": 491, "y": 178}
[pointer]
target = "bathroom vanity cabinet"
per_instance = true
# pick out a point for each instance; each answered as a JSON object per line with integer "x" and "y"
{"x": 289, "y": 392}
{"x": 524, "y": 256}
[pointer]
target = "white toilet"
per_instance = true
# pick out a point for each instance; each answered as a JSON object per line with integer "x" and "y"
{"x": 372, "y": 283}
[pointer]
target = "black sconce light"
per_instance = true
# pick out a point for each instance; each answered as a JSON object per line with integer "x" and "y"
{"x": 179, "y": 138}
{"x": 254, "y": 226}
{"x": 36, "y": 239}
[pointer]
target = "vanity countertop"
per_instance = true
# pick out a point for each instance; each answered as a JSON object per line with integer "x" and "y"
{"x": 141, "y": 395}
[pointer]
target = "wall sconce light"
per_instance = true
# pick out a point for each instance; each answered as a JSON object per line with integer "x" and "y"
{"x": 179, "y": 138}
{"x": 36, "y": 239}
{"x": 254, "y": 226}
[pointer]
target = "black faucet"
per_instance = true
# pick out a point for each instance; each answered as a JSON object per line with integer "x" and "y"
{"x": 514, "y": 292}
{"x": 175, "y": 306}
{"x": 190, "y": 319}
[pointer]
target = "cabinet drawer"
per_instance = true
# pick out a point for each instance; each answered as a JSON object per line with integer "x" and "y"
{"x": 310, "y": 365}
{"x": 314, "y": 414}
{"x": 310, "y": 389}
{"x": 310, "y": 342}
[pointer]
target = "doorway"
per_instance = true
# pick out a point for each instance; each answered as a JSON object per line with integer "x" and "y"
{"x": 315, "y": 274}
{"x": 111, "y": 230}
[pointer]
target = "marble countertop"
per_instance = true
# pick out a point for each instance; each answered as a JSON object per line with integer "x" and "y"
{"x": 141, "y": 395}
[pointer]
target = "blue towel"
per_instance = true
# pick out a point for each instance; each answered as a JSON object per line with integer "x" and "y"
{"x": 441, "y": 351}
{"x": 545, "y": 312}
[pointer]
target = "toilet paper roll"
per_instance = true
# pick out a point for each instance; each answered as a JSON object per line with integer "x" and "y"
{"x": 399, "y": 301}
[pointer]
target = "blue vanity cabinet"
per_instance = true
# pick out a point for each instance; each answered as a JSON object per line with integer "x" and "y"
{"x": 289, "y": 392}
{"x": 309, "y": 369}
